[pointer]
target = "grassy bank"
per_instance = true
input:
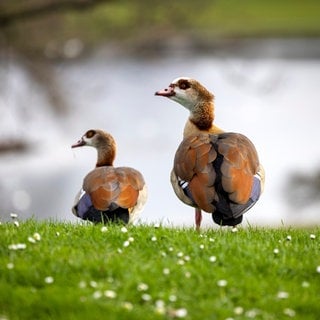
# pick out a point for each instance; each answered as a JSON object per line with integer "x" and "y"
{"x": 51, "y": 270}
{"x": 152, "y": 23}
{"x": 214, "y": 19}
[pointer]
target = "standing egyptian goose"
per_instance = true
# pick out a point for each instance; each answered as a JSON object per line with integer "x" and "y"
{"x": 214, "y": 171}
{"x": 108, "y": 194}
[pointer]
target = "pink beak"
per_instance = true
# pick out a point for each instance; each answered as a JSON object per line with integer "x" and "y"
{"x": 80, "y": 143}
{"x": 167, "y": 92}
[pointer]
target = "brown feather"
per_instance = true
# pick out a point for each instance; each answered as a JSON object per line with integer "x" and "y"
{"x": 213, "y": 170}
{"x": 109, "y": 188}
{"x": 202, "y": 157}
{"x": 108, "y": 185}
{"x": 184, "y": 163}
{"x": 240, "y": 164}
{"x": 102, "y": 176}
{"x": 128, "y": 197}
{"x": 194, "y": 163}
{"x": 134, "y": 178}
{"x": 102, "y": 198}
{"x": 202, "y": 195}
{"x": 242, "y": 184}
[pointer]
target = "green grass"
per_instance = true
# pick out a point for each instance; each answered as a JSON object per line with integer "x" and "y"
{"x": 152, "y": 272}
{"x": 208, "y": 19}
{"x": 149, "y": 23}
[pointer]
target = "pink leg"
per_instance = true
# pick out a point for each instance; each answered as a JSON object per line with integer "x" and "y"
{"x": 198, "y": 217}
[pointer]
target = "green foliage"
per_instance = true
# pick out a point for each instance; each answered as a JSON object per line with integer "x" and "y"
{"x": 150, "y": 22}
{"x": 84, "y": 271}
{"x": 211, "y": 19}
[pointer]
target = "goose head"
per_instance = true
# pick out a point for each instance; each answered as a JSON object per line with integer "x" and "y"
{"x": 188, "y": 92}
{"x": 102, "y": 141}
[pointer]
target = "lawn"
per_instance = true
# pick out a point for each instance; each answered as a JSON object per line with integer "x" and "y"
{"x": 149, "y": 23}
{"x": 59, "y": 270}
{"x": 211, "y": 20}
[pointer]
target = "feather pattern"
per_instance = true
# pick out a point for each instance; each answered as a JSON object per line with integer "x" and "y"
{"x": 213, "y": 171}
{"x": 109, "y": 193}
{"x": 220, "y": 173}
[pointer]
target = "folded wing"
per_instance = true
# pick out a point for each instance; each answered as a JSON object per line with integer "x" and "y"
{"x": 218, "y": 172}
{"x": 113, "y": 186}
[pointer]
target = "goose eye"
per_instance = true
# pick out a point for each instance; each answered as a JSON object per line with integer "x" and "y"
{"x": 183, "y": 85}
{"x": 90, "y": 133}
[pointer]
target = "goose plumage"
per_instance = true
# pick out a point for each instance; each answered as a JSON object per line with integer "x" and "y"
{"x": 108, "y": 194}
{"x": 214, "y": 171}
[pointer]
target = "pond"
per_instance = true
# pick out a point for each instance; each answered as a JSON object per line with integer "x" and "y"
{"x": 272, "y": 98}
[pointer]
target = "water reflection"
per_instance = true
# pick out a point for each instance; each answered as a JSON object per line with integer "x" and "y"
{"x": 272, "y": 101}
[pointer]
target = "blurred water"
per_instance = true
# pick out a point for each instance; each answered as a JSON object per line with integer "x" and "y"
{"x": 274, "y": 101}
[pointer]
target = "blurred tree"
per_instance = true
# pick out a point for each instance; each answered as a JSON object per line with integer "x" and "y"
{"x": 34, "y": 34}
{"x": 26, "y": 30}
{"x": 29, "y": 26}
{"x": 303, "y": 189}
{"x": 14, "y": 10}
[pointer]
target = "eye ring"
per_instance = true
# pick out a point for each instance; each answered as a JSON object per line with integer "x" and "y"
{"x": 90, "y": 133}
{"x": 184, "y": 85}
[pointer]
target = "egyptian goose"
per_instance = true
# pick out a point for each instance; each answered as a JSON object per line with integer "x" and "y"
{"x": 108, "y": 194}
{"x": 214, "y": 171}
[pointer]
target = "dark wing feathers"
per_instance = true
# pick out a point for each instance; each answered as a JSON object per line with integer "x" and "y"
{"x": 219, "y": 169}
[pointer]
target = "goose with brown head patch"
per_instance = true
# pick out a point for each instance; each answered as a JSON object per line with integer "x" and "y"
{"x": 214, "y": 171}
{"x": 108, "y": 194}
